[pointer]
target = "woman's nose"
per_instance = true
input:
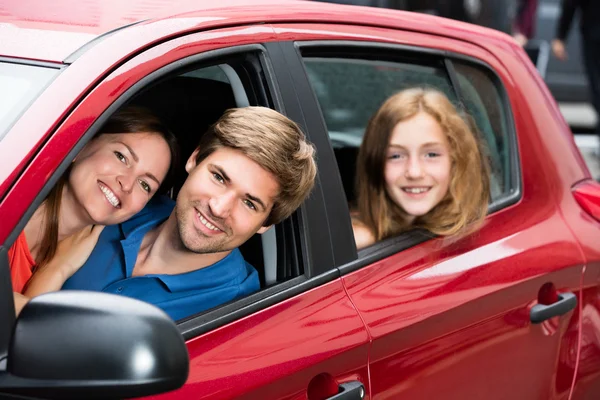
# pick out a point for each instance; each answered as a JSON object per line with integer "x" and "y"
{"x": 126, "y": 182}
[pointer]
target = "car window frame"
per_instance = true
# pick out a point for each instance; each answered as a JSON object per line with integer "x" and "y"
{"x": 282, "y": 100}
{"x": 388, "y": 247}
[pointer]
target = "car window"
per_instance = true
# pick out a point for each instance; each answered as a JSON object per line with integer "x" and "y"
{"x": 483, "y": 100}
{"x": 20, "y": 84}
{"x": 346, "y": 107}
{"x": 350, "y": 91}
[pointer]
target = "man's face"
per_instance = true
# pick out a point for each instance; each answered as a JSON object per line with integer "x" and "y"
{"x": 224, "y": 201}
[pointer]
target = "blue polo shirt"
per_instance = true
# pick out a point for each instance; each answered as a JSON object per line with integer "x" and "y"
{"x": 109, "y": 269}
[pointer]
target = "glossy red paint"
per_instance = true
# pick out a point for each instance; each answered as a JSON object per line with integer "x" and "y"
{"x": 78, "y": 20}
{"x": 275, "y": 353}
{"x": 587, "y": 194}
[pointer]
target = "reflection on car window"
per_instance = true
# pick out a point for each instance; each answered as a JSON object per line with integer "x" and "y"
{"x": 483, "y": 101}
{"x": 350, "y": 91}
{"x": 19, "y": 85}
{"x": 214, "y": 73}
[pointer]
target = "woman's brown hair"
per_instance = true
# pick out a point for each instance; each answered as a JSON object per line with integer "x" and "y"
{"x": 465, "y": 204}
{"x": 131, "y": 119}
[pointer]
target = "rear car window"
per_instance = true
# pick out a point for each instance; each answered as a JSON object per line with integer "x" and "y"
{"x": 20, "y": 84}
{"x": 350, "y": 91}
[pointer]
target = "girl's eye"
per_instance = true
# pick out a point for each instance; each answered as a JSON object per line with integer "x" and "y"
{"x": 218, "y": 177}
{"x": 250, "y": 205}
{"x": 145, "y": 186}
{"x": 121, "y": 157}
{"x": 394, "y": 156}
{"x": 432, "y": 154}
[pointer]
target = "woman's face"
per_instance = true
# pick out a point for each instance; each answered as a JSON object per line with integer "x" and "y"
{"x": 418, "y": 165}
{"x": 115, "y": 175}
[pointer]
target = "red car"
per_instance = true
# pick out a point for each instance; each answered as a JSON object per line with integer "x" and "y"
{"x": 512, "y": 311}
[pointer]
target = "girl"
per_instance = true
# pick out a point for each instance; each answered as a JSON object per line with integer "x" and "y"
{"x": 419, "y": 166}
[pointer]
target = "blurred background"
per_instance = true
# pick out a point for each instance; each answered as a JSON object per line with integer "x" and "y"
{"x": 566, "y": 79}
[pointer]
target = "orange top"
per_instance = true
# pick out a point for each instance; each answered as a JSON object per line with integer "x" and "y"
{"x": 21, "y": 263}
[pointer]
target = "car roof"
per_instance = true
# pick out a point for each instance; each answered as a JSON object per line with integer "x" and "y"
{"x": 53, "y": 30}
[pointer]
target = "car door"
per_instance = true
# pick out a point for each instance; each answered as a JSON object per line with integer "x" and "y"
{"x": 300, "y": 335}
{"x": 453, "y": 318}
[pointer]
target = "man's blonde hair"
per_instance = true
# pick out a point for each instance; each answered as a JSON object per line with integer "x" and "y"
{"x": 274, "y": 142}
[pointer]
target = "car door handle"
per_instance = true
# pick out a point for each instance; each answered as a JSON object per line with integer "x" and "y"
{"x": 350, "y": 391}
{"x": 541, "y": 312}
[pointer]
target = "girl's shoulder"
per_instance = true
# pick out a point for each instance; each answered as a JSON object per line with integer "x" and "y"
{"x": 363, "y": 236}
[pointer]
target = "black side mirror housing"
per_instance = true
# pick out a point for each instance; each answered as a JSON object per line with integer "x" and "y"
{"x": 89, "y": 344}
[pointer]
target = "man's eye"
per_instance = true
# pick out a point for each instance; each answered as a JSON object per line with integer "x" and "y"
{"x": 218, "y": 177}
{"x": 145, "y": 186}
{"x": 250, "y": 205}
{"x": 121, "y": 157}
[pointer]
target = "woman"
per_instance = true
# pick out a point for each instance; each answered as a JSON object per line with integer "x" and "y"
{"x": 419, "y": 166}
{"x": 110, "y": 180}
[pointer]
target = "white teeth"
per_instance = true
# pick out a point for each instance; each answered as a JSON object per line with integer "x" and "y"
{"x": 415, "y": 190}
{"x": 110, "y": 196}
{"x": 206, "y": 223}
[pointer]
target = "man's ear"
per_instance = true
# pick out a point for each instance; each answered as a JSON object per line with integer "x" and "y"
{"x": 264, "y": 229}
{"x": 191, "y": 162}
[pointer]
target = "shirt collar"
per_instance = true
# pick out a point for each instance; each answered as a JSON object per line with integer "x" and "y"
{"x": 229, "y": 271}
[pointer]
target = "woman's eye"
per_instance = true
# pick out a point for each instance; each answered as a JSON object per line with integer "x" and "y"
{"x": 121, "y": 157}
{"x": 432, "y": 154}
{"x": 218, "y": 177}
{"x": 394, "y": 156}
{"x": 250, "y": 205}
{"x": 145, "y": 186}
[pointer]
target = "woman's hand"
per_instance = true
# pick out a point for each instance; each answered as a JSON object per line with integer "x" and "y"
{"x": 71, "y": 254}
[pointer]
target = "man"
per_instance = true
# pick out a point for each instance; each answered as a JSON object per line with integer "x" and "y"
{"x": 589, "y": 23}
{"x": 251, "y": 170}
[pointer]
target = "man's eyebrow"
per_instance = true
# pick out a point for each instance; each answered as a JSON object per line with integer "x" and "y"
{"x": 228, "y": 180}
{"x": 256, "y": 200}
{"x": 135, "y": 157}
{"x": 222, "y": 173}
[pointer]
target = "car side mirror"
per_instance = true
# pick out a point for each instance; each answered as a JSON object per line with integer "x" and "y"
{"x": 89, "y": 344}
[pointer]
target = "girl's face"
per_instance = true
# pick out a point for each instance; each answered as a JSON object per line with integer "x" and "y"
{"x": 418, "y": 165}
{"x": 115, "y": 175}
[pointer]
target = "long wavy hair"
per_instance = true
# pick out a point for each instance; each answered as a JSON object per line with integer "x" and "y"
{"x": 131, "y": 119}
{"x": 464, "y": 206}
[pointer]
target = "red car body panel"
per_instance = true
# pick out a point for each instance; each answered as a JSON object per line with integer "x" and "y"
{"x": 275, "y": 353}
{"x": 450, "y": 317}
{"x": 440, "y": 317}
